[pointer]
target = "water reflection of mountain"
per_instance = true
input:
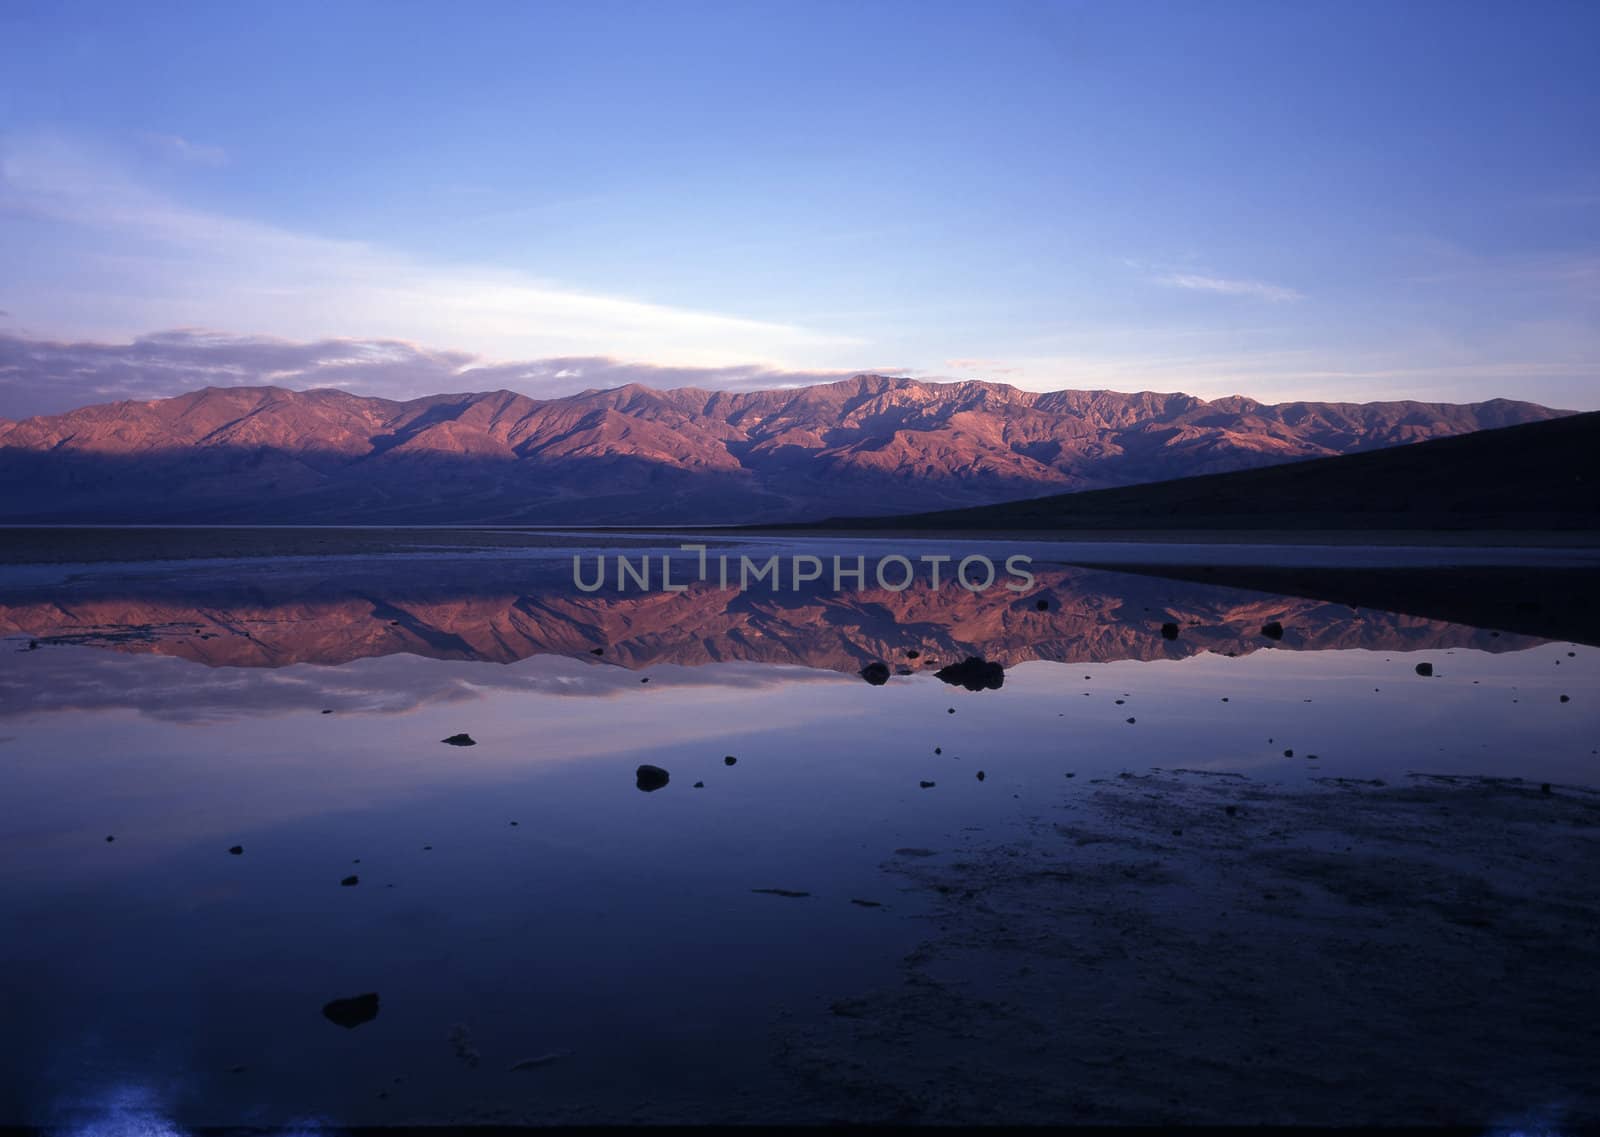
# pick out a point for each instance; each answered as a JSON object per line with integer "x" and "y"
{"x": 513, "y": 610}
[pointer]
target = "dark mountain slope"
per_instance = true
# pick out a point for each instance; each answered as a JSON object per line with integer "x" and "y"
{"x": 1543, "y": 475}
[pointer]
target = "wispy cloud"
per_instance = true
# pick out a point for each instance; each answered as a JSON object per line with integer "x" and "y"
{"x": 135, "y": 259}
{"x": 47, "y": 377}
{"x": 1276, "y": 293}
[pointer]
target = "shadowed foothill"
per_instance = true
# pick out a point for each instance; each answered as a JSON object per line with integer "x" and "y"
{"x": 1457, "y": 483}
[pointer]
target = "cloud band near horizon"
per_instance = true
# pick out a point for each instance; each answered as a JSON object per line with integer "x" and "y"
{"x": 45, "y": 377}
{"x": 42, "y": 377}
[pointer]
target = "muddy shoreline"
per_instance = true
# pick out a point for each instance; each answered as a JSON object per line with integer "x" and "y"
{"x": 1180, "y": 948}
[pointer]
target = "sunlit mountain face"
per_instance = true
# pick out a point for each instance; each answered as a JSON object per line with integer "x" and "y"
{"x": 868, "y": 445}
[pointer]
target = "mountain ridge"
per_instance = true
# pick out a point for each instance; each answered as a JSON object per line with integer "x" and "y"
{"x": 631, "y": 454}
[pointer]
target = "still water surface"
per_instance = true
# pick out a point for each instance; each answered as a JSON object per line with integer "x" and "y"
{"x": 543, "y": 936}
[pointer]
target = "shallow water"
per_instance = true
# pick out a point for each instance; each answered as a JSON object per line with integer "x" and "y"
{"x": 520, "y": 899}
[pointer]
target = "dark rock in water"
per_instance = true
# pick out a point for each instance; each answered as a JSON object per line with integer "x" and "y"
{"x": 597, "y": 651}
{"x": 903, "y": 671}
{"x": 1288, "y": 753}
{"x": 1132, "y": 720}
{"x": 110, "y": 839}
{"x": 1424, "y": 669}
{"x": 646, "y": 679}
{"x": 781, "y": 892}
{"x": 729, "y": 760}
{"x": 912, "y": 653}
{"x": 350, "y": 881}
{"x": 938, "y": 750}
{"x": 950, "y": 710}
{"x": 915, "y": 853}
{"x": 1273, "y": 630}
{"x": 351, "y": 1013}
{"x": 1231, "y": 810}
{"x": 327, "y": 710}
{"x": 1544, "y": 787}
{"x": 459, "y": 740}
{"x": 1566, "y": 698}
{"x": 974, "y": 673}
{"x": 926, "y": 785}
{"x": 699, "y": 785}
{"x": 980, "y": 775}
{"x": 1042, "y": 605}
{"x": 237, "y": 850}
{"x": 33, "y": 645}
{"x": 650, "y": 778}
{"x": 1169, "y": 631}
{"x": 876, "y": 673}
{"x": 866, "y": 903}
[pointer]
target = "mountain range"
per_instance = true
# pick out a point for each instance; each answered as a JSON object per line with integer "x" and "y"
{"x": 871, "y": 444}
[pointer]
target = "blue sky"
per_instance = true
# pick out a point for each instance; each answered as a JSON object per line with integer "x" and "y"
{"x": 1287, "y": 200}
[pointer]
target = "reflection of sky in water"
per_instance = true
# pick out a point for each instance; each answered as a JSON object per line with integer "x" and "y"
{"x": 614, "y": 928}
{"x": 614, "y": 924}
